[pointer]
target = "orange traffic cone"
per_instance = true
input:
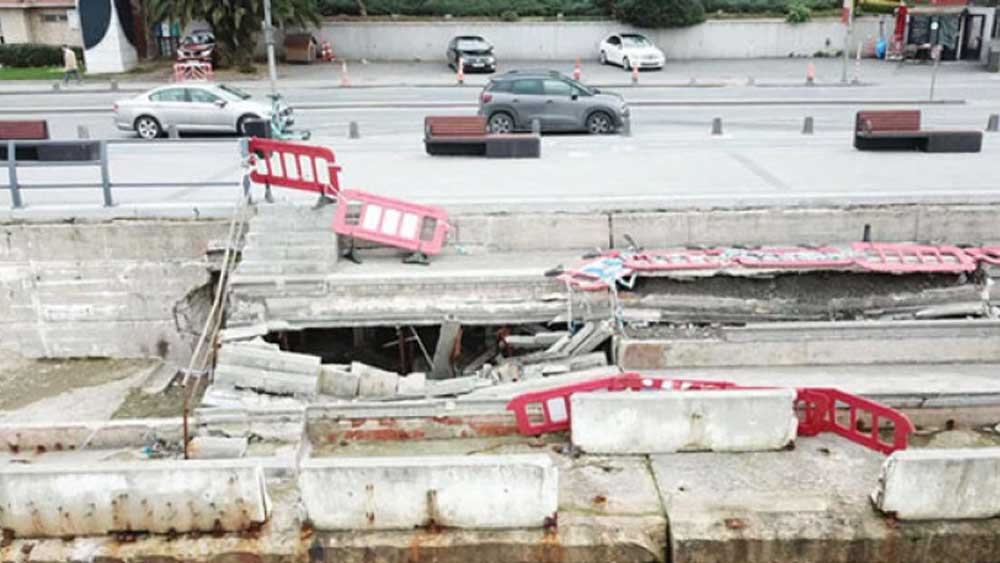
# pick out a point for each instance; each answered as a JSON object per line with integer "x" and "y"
{"x": 577, "y": 73}
{"x": 635, "y": 73}
{"x": 344, "y": 80}
{"x": 461, "y": 71}
{"x": 811, "y": 74}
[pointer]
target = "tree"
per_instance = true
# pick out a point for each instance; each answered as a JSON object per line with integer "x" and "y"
{"x": 235, "y": 23}
{"x": 660, "y": 13}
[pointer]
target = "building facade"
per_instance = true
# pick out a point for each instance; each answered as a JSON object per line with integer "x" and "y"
{"x": 51, "y": 22}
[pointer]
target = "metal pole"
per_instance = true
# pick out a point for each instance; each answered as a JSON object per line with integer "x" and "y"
{"x": 849, "y": 6}
{"x": 934, "y": 70}
{"x": 105, "y": 176}
{"x": 15, "y": 191}
{"x": 272, "y": 71}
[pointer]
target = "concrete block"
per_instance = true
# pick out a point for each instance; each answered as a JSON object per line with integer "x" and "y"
{"x": 383, "y": 493}
{"x": 338, "y": 381}
{"x": 277, "y": 383}
{"x": 414, "y": 384}
{"x": 672, "y": 421}
{"x": 940, "y": 484}
{"x": 53, "y": 500}
{"x": 217, "y": 447}
{"x": 261, "y": 358}
{"x": 455, "y": 386}
{"x": 374, "y": 382}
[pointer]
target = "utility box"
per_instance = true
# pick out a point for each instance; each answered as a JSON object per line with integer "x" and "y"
{"x": 301, "y": 48}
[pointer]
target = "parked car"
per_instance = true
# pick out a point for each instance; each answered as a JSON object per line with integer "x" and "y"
{"x": 475, "y": 52}
{"x": 193, "y": 107}
{"x": 627, "y": 49}
{"x": 511, "y": 100}
{"x": 198, "y": 45}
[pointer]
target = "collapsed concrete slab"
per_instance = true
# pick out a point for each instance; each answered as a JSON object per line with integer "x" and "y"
{"x": 672, "y": 421}
{"x": 244, "y": 366}
{"x": 155, "y": 496}
{"x": 380, "y": 493}
{"x": 940, "y": 484}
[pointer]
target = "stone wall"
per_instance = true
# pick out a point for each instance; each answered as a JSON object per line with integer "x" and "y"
{"x": 542, "y": 41}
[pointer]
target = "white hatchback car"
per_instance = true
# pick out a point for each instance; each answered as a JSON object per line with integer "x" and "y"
{"x": 631, "y": 49}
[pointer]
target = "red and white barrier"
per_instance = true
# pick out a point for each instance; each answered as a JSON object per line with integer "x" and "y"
{"x": 193, "y": 70}
{"x": 393, "y": 222}
{"x": 294, "y": 165}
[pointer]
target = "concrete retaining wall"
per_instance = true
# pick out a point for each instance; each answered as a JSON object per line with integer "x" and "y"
{"x": 535, "y": 41}
{"x": 786, "y": 344}
{"x": 102, "y": 289}
{"x": 672, "y": 421}
{"x": 940, "y": 484}
{"x": 382, "y": 493}
{"x": 154, "y": 496}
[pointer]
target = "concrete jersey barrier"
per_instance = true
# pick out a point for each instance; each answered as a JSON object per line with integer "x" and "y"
{"x": 382, "y": 493}
{"x": 151, "y": 496}
{"x": 940, "y": 484}
{"x": 650, "y": 422}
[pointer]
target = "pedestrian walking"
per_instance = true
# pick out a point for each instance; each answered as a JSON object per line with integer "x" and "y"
{"x": 70, "y": 65}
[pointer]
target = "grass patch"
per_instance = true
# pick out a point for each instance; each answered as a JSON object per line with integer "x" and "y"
{"x": 31, "y": 73}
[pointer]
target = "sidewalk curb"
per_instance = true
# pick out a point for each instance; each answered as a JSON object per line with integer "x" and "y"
{"x": 463, "y": 105}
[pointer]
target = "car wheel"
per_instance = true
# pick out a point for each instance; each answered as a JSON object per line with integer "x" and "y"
{"x": 604, "y": 58}
{"x": 148, "y": 127}
{"x": 501, "y": 123}
{"x": 241, "y": 124}
{"x": 599, "y": 123}
{"x": 625, "y": 64}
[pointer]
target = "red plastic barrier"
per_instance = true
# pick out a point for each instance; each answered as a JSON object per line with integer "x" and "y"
{"x": 420, "y": 228}
{"x": 295, "y": 165}
{"x": 193, "y": 70}
{"x": 800, "y": 257}
{"x": 553, "y": 404}
{"x": 988, "y": 254}
{"x": 680, "y": 259}
{"x": 907, "y": 258}
{"x": 819, "y": 408}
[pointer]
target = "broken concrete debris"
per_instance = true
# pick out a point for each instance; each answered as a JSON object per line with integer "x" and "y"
{"x": 253, "y": 367}
{"x": 217, "y": 447}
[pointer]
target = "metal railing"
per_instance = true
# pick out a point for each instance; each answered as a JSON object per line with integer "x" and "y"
{"x": 16, "y": 187}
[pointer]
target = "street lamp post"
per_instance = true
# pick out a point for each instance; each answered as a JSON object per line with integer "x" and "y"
{"x": 272, "y": 71}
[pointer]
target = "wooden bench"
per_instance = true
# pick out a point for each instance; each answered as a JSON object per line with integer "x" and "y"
{"x": 900, "y": 130}
{"x": 467, "y": 135}
{"x": 35, "y": 130}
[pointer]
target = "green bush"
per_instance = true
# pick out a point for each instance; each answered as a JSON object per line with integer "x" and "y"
{"x": 660, "y": 13}
{"x": 509, "y": 16}
{"x": 877, "y": 7}
{"x": 23, "y": 55}
{"x": 767, "y": 7}
{"x": 465, "y": 8}
{"x": 798, "y": 13}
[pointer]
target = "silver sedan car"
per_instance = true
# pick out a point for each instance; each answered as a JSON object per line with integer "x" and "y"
{"x": 194, "y": 107}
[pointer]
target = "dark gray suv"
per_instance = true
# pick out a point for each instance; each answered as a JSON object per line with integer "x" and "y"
{"x": 510, "y": 101}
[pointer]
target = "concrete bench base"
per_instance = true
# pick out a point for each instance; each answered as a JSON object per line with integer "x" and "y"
{"x": 499, "y": 146}
{"x": 927, "y": 141}
{"x": 954, "y": 141}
